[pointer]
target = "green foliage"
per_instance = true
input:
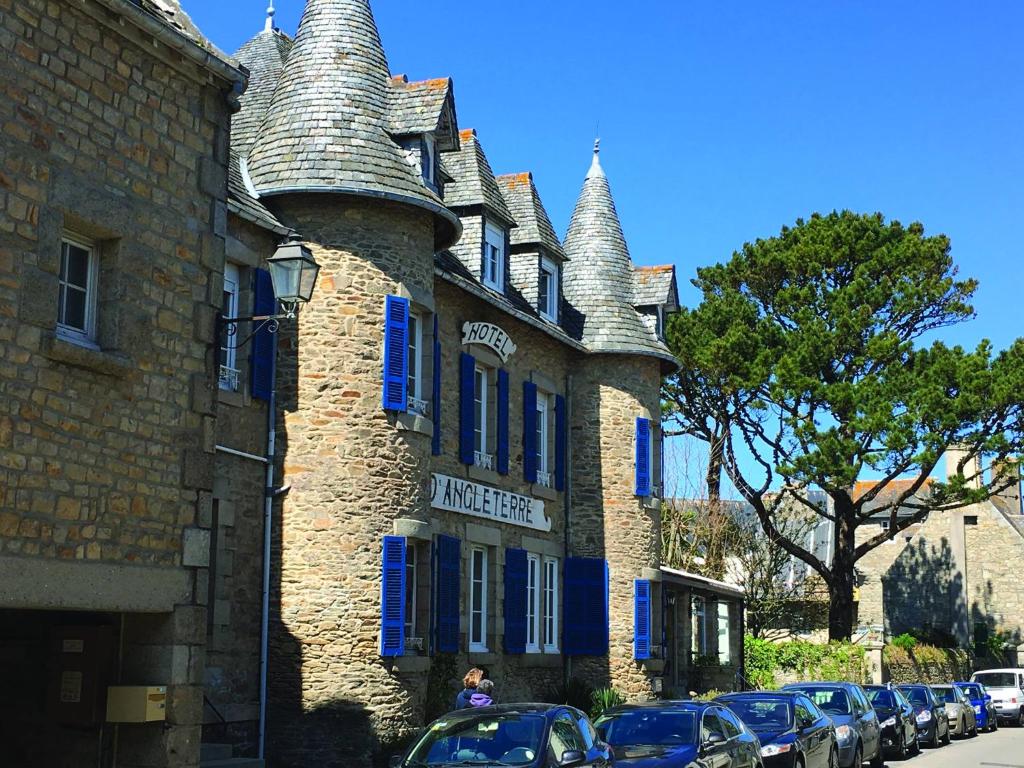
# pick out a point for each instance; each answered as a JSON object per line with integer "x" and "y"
{"x": 809, "y": 348}
{"x": 906, "y": 641}
{"x": 926, "y": 664}
{"x": 576, "y": 693}
{"x": 709, "y": 695}
{"x": 998, "y": 640}
{"x": 605, "y": 698}
{"x": 767, "y": 662}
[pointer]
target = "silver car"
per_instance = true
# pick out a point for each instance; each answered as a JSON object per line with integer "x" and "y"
{"x": 959, "y": 710}
{"x": 1006, "y": 687}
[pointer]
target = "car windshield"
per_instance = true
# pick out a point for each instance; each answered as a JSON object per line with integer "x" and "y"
{"x": 509, "y": 739}
{"x": 945, "y": 694}
{"x": 834, "y": 701}
{"x": 917, "y": 696}
{"x": 882, "y": 697}
{"x": 762, "y": 714}
{"x": 972, "y": 691}
{"x": 648, "y": 726}
{"x": 997, "y": 679}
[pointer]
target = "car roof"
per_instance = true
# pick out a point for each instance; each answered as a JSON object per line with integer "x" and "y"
{"x": 941, "y": 685}
{"x": 820, "y": 684}
{"x": 504, "y": 709}
{"x": 786, "y": 695}
{"x": 684, "y": 704}
{"x": 1018, "y": 670}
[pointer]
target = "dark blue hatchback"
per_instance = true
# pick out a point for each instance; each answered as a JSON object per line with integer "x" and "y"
{"x": 677, "y": 734}
{"x": 792, "y": 730}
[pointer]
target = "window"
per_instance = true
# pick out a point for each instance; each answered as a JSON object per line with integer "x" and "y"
{"x": 544, "y": 411}
{"x": 410, "y": 593}
{"x": 724, "y": 652}
{"x": 478, "y": 599}
{"x": 229, "y": 373}
{"x": 659, "y": 322}
{"x": 885, "y": 524}
{"x": 79, "y": 273}
{"x": 550, "y": 605}
{"x": 565, "y": 737}
{"x": 547, "y": 291}
{"x": 483, "y": 405}
{"x": 970, "y": 519}
{"x": 533, "y": 584}
{"x": 710, "y": 724}
{"x": 700, "y": 639}
{"x": 729, "y": 723}
{"x": 494, "y": 257}
{"x": 417, "y": 403}
{"x": 428, "y": 160}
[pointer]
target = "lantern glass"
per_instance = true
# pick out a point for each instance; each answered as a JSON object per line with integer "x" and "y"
{"x": 293, "y": 271}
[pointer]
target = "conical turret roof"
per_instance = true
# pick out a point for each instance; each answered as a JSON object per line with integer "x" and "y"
{"x": 264, "y": 56}
{"x": 326, "y": 129}
{"x": 598, "y": 278}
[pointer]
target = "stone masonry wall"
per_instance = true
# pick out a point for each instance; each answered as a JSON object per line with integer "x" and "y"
{"x": 995, "y": 550}
{"x": 105, "y": 455}
{"x": 610, "y": 393}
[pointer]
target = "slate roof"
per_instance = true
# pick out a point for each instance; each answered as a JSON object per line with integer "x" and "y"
{"x": 264, "y": 56}
{"x": 171, "y": 13}
{"x": 327, "y": 126}
{"x": 242, "y": 202}
{"x": 655, "y": 286}
{"x": 426, "y": 106}
{"x": 598, "y": 278}
{"x": 473, "y": 180}
{"x": 523, "y": 200}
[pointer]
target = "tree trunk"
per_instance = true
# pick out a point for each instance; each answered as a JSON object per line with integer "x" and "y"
{"x": 713, "y": 478}
{"x": 843, "y": 577}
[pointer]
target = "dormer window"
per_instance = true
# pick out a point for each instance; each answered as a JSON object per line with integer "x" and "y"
{"x": 547, "y": 290}
{"x": 493, "y": 272}
{"x": 428, "y": 160}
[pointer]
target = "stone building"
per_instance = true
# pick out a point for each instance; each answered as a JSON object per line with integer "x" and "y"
{"x": 113, "y": 210}
{"x": 468, "y": 446}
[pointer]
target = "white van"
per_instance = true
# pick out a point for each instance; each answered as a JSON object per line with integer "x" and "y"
{"x": 1006, "y": 687}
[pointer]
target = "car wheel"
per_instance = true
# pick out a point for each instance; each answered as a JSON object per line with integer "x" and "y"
{"x": 934, "y": 742}
{"x": 948, "y": 737}
{"x": 916, "y": 748}
{"x": 902, "y": 752}
{"x": 833, "y": 758}
{"x": 858, "y": 757}
{"x": 1020, "y": 719}
{"x": 878, "y": 761}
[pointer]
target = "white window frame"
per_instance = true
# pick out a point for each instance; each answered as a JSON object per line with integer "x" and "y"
{"x": 477, "y": 589}
{"x": 534, "y": 580}
{"x": 494, "y": 256}
{"x": 545, "y": 476}
{"x": 83, "y": 336}
{"x": 410, "y": 587}
{"x": 724, "y": 651}
{"x": 429, "y": 147}
{"x": 699, "y": 630}
{"x": 482, "y": 455}
{"x": 549, "y": 625}
{"x": 551, "y": 269}
{"x": 229, "y": 377}
{"x": 417, "y": 355}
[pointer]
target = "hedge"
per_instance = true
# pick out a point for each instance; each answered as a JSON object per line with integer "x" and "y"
{"x": 926, "y": 664}
{"x": 769, "y": 665}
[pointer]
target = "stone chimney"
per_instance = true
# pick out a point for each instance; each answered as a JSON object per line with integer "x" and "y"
{"x": 1011, "y": 496}
{"x": 971, "y": 469}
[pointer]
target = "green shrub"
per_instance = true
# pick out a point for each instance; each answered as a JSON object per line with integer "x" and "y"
{"x": 605, "y": 698}
{"x": 906, "y": 641}
{"x": 576, "y": 693}
{"x": 803, "y": 660}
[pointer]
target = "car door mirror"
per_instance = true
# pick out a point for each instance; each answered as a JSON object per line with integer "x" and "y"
{"x": 988, "y": 698}
{"x": 713, "y": 740}
{"x": 571, "y": 757}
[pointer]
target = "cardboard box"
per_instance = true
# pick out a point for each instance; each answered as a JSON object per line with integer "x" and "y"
{"x": 136, "y": 703}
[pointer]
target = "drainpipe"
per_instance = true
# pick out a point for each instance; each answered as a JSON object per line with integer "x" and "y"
{"x": 268, "y": 517}
{"x": 567, "y": 500}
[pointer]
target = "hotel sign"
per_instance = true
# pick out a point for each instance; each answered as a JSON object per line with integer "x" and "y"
{"x": 490, "y": 336}
{"x": 466, "y": 498}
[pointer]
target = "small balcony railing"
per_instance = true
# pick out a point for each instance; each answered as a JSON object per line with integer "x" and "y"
{"x": 419, "y": 407}
{"x": 545, "y": 479}
{"x": 229, "y": 378}
{"x": 483, "y": 460}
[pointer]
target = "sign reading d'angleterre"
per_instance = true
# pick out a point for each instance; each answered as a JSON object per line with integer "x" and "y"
{"x": 466, "y": 498}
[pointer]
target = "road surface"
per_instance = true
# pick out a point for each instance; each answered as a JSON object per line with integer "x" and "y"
{"x": 1002, "y": 749}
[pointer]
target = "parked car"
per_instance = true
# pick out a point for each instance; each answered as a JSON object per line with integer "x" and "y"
{"x": 897, "y": 717}
{"x": 962, "y": 720}
{"x": 984, "y": 709}
{"x": 857, "y": 728}
{"x": 930, "y": 714}
{"x": 793, "y": 732}
{"x": 1006, "y": 687}
{"x": 520, "y": 735}
{"x": 678, "y": 734}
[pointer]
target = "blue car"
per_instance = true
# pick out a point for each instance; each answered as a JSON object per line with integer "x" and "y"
{"x": 794, "y": 733}
{"x": 857, "y": 727}
{"x": 678, "y": 734}
{"x": 984, "y": 709}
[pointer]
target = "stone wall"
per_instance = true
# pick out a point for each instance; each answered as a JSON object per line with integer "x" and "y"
{"x": 995, "y": 552}
{"x": 106, "y": 454}
{"x": 609, "y": 393}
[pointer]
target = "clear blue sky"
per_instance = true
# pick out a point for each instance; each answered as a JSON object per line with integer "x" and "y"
{"x": 722, "y": 121}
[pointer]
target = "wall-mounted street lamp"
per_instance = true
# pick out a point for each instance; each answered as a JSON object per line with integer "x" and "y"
{"x": 293, "y": 273}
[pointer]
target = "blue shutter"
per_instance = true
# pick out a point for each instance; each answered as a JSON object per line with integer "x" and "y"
{"x": 560, "y": 442}
{"x": 435, "y": 444}
{"x": 642, "y": 619}
{"x": 643, "y": 457}
{"x": 502, "y": 422}
{"x": 585, "y": 617}
{"x": 530, "y": 431}
{"x": 392, "y": 598}
{"x": 515, "y": 600}
{"x": 447, "y": 593}
{"x": 467, "y": 409}
{"x": 396, "y": 354}
{"x": 261, "y": 363}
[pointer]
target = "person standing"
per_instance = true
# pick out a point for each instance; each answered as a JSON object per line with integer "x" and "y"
{"x": 482, "y": 697}
{"x": 469, "y": 682}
